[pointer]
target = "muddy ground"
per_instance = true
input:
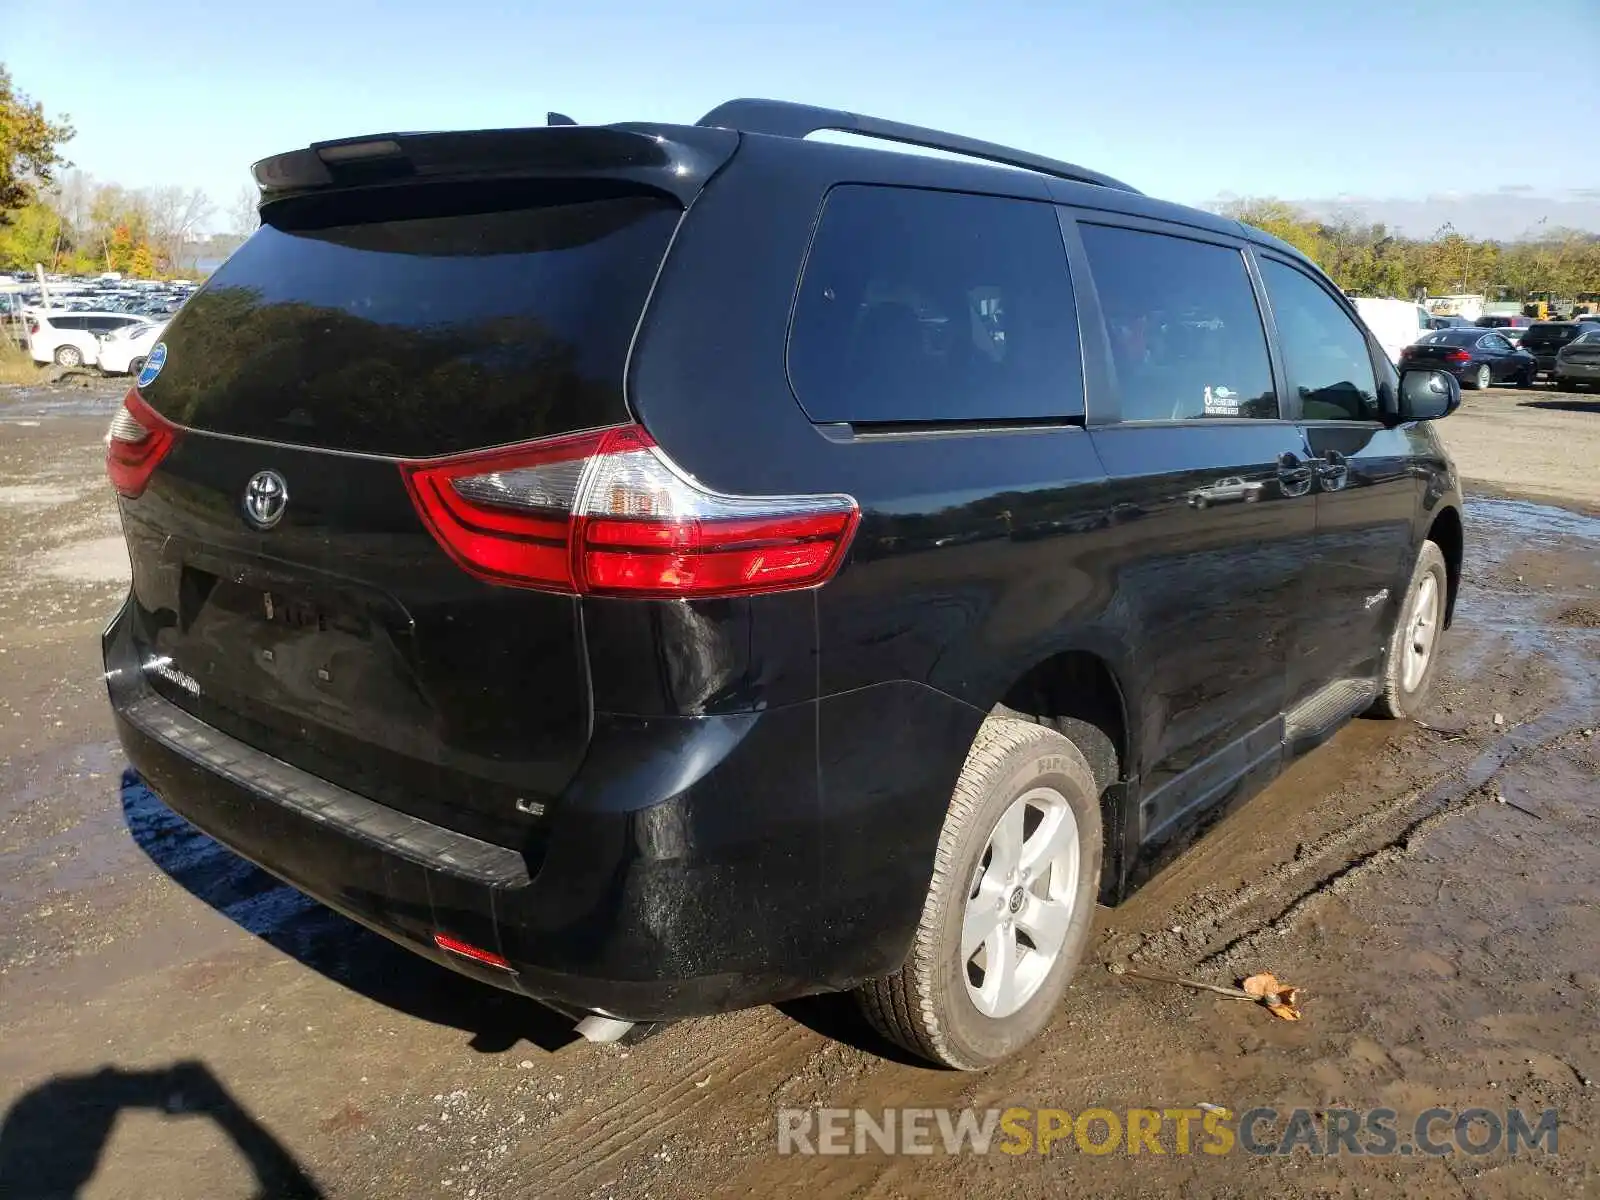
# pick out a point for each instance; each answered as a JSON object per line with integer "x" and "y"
{"x": 175, "y": 1024}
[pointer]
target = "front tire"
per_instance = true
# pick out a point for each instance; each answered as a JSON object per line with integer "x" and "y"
{"x": 1010, "y": 907}
{"x": 68, "y": 356}
{"x": 135, "y": 365}
{"x": 1413, "y": 654}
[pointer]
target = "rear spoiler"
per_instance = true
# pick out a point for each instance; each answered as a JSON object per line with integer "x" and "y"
{"x": 674, "y": 159}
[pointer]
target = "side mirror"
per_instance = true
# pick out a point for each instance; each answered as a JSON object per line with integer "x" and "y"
{"x": 1428, "y": 395}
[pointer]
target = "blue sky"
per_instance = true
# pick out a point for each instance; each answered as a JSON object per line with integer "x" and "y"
{"x": 1186, "y": 99}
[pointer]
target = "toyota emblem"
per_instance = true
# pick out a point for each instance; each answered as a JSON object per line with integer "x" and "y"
{"x": 265, "y": 498}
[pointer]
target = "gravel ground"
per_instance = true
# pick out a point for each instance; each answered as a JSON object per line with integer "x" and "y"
{"x": 174, "y": 1023}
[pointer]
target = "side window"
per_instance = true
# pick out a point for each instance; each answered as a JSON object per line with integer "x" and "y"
{"x": 101, "y": 324}
{"x": 933, "y": 306}
{"x": 1498, "y": 343}
{"x": 73, "y": 323}
{"x": 1186, "y": 335}
{"x": 1325, "y": 354}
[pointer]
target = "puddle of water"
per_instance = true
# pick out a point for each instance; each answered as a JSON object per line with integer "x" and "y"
{"x": 1539, "y": 524}
{"x": 37, "y": 495}
{"x": 102, "y": 560}
{"x": 27, "y": 405}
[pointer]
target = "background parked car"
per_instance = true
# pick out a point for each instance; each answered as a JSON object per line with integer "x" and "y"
{"x": 1501, "y": 321}
{"x": 1448, "y": 321}
{"x": 1544, "y": 340}
{"x": 1578, "y": 362}
{"x": 1477, "y": 357}
{"x": 123, "y": 351}
{"x": 71, "y": 339}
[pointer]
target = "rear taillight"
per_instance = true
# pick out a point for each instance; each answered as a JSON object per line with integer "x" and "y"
{"x": 607, "y": 512}
{"x": 1460, "y": 356}
{"x": 139, "y": 438}
{"x": 33, "y": 327}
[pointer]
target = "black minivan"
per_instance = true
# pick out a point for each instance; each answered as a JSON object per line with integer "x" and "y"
{"x": 662, "y": 569}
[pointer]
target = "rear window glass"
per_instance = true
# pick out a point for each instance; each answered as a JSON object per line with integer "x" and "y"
{"x": 421, "y": 336}
{"x": 1551, "y": 333}
{"x": 1186, "y": 334}
{"x": 922, "y": 306}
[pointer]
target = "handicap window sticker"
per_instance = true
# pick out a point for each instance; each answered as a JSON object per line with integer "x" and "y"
{"x": 153, "y": 364}
{"x": 1221, "y": 402}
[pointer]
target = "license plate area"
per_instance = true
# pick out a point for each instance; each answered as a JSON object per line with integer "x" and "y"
{"x": 282, "y": 644}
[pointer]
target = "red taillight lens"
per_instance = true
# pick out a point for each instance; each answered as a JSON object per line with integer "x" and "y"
{"x": 506, "y": 516}
{"x": 712, "y": 557}
{"x": 609, "y": 513}
{"x": 1460, "y": 356}
{"x": 33, "y": 327}
{"x": 139, "y": 438}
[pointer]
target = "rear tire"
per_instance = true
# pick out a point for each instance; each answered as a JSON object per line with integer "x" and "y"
{"x": 68, "y": 356}
{"x": 1483, "y": 378}
{"x": 1000, "y": 884}
{"x": 1406, "y": 680}
{"x": 135, "y": 365}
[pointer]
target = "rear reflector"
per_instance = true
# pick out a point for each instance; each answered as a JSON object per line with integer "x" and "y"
{"x": 608, "y": 513}
{"x": 467, "y": 950}
{"x": 139, "y": 438}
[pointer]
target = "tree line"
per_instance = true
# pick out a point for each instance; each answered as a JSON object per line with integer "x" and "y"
{"x": 1369, "y": 259}
{"x": 72, "y": 223}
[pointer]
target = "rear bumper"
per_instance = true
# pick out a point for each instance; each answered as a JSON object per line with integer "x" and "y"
{"x": 1578, "y": 372}
{"x": 695, "y": 865}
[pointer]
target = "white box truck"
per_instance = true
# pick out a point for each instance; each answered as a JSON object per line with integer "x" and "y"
{"x": 1395, "y": 323}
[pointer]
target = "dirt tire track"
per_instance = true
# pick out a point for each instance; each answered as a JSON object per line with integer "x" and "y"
{"x": 581, "y": 1150}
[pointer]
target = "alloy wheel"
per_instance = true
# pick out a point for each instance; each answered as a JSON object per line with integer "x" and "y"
{"x": 1020, "y": 902}
{"x": 1424, "y": 632}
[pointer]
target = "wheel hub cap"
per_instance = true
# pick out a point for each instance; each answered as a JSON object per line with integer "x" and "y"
{"x": 1020, "y": 903}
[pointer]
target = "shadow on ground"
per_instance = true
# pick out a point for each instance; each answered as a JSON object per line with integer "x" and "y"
{"x": 1567, "y": 404}
{"x": 839, "y": 1018}
{"x": 331, "y": 944}
{"x": 53, "y": 1136}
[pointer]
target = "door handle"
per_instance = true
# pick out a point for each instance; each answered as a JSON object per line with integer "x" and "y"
{"x": 1294, "y": 476}
{"x": 1333, "y": 471}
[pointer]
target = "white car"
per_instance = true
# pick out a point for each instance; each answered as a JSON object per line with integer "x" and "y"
{"x": 123, "y": 351}
{"x": 72, "y": 339}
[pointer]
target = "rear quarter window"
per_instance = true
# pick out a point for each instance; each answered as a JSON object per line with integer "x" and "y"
{"x": 920, "y": 306}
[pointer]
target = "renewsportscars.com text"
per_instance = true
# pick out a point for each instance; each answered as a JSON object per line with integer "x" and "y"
{"x": 1209, "y": 1129}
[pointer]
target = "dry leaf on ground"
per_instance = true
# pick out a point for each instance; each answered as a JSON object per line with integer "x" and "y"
{"x": 1279, "y": 998}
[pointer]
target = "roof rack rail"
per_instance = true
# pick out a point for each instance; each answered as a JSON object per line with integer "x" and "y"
{"x": 784, "y": 119}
